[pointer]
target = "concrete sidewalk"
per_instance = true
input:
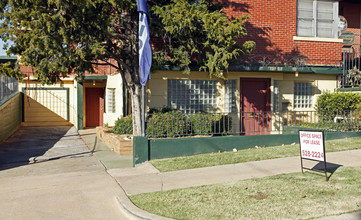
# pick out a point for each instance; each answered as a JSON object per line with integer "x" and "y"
{"x": 145, "y": 178}
{"x": 49, "y": 173}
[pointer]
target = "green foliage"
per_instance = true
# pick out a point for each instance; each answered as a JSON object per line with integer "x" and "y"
{"x": 168, "y": 124}
{"x": 124, "y": 125}
{"x": 60, "y": 37}
{"x": 11, "y": 69}
{"x": 172, "y": 123}
{"x": 210, "y": 123}
{"x": 337, "y": 102}
{"x": 164, "y": 109}
{"x": 199, "y": 32}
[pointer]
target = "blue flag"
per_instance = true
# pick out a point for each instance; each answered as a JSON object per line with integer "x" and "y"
{"x": 145, "y": 47}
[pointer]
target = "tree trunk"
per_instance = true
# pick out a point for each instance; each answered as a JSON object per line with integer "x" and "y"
{"x": 135, "y": 92}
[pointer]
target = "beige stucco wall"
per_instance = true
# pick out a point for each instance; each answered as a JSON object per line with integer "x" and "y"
{"x": 157, "y": 88}
{"x": 320, "y": 83}
{"x": 60, "y": 94}
{"x": 114, "y": 82}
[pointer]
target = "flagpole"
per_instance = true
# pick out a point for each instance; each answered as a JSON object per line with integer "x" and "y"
{"x": 143, "y": 110}
{"x": 145, "y": 54}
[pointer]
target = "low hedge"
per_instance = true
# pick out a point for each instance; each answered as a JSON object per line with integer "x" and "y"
{"x": 338, "y": 101}
{"x": 175, "y": 124}
{"x": 168, "y": 124}
{"x": 124, "y": 125}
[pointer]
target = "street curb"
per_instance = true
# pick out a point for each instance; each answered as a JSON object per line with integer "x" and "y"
{"x": 135, "y": 213}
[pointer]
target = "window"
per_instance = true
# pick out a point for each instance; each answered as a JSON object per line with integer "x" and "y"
{"x": 111, "y": 100}
{"x": 229, "y": 96}
{"x": 317, "y": 18}
{"x": 191, "y": 96}
{"x": 275, "y": 95}
{"x": 8, "y": 87}
{"x": 303, "y": 95}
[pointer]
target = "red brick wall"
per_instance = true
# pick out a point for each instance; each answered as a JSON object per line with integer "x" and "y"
{"x": 98, "y": 70}
{"x": 272, "y": 25}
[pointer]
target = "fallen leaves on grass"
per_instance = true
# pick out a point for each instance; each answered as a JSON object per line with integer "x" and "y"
{"x": 259, "y": 196}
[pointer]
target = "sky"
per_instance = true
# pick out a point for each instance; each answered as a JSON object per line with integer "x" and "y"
{"x": 2, "y": 51}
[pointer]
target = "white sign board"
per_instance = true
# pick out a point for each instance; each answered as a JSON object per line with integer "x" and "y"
{"x": 312, "y": 145}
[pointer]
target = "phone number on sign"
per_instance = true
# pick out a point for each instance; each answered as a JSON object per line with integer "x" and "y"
{"x": 314, "y": 154}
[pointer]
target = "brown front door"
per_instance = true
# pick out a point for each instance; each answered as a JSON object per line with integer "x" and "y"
{"x": 94, "y": 107}
{"x": 255, "y": 106}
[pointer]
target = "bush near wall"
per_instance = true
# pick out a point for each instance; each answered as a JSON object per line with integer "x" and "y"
{"x": 210, "y": 123}
{"x": 168, "y": 124}
{"x": 338, "y": 102}
{"x": 165, "y": 122}
{"x": 124, "y": 125}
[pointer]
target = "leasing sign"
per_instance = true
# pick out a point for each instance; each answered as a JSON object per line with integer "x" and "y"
{"x": 312, "y": 147}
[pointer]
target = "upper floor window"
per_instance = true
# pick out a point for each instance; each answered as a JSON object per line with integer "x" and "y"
{"x": 317, "y": 18}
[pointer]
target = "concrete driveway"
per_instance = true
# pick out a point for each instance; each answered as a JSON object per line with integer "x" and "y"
{"x": 49, "y": 173}
{"x": 33, "y": 144}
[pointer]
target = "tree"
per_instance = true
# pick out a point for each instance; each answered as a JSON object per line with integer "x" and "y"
{"x": 58, "y": 38}
{"x": 64, "y": 37}
{"x": 198, "y": 32}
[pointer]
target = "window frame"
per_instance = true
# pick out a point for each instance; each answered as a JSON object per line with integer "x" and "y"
{"x": 230, "y": 96}
{"x": 187, "y": 96}
{"x": 314, "y": 33}
{"x": 308, "y": 105}
{"x": 111, "y": 97}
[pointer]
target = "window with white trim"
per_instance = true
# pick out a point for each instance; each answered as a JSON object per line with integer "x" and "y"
{"x": 111, "y": 100}
{"x": 229, "y": 96}
{"x": 191, "y": 96}
{"x": 303, "y": 95}
{"x": 317, "y": 18}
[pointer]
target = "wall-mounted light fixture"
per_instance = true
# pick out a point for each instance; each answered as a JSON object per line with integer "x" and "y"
{"x": 296, "y": 74}
{"x": 93, "y": 82}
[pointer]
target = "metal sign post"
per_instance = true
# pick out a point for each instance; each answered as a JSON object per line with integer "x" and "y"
{"x": 312, "y": 147}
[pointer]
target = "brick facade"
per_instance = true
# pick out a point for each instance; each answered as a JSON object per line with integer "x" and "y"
{"x": 272, "y": 25}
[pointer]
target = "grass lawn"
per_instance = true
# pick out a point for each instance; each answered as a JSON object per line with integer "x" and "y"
{"x": 286, "y": 196}
{"x": 253, "y": 154}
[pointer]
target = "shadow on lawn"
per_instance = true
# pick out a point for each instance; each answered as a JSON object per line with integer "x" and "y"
{"x": 331, "y": 168}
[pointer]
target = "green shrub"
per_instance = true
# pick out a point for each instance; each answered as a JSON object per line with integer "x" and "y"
{"x": 203, "y": 123}
{"x": 337, "y": 102}
{"x": 124, "y": 125}
{"x": 175, "y": 124}
{"x": 169, "y": 124}
{"x": 164, "y": 109}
